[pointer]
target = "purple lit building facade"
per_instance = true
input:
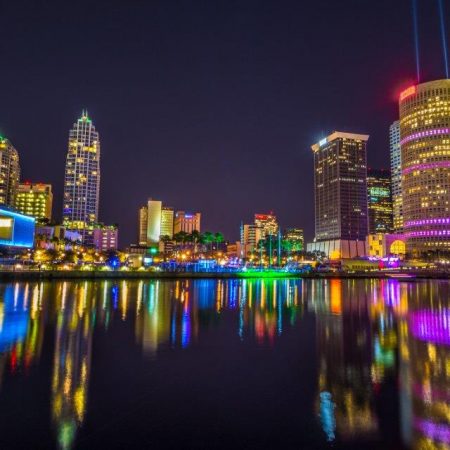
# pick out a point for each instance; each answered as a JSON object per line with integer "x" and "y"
{"x": 425, "y": 162}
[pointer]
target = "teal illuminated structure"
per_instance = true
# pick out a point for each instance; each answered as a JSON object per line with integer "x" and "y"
{"x": 16, "y": 230}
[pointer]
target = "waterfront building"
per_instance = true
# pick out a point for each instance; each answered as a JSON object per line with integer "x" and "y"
{"x": 340, "y": 194}
{"x": 16, "y": 229}
{"x": 46, "y": 233}
{"x": 382, "y": 245}
{"x": 379, "y": 200}
{"x": 396, "y": 176}
{"x": 167, "y": 215}
{"x": 9, "y": 172}
{"x": 82, "y": 179}
{"x": 294, "y": 239}
{"x": 186, "y": 222}
{"x": 267, "y": 223}
{"x": 250, "y": 237}
{"x": 143, "y": 220}
{"x": 425, "y": 161}
{"x": 106, "y": 237}
{"x": 153, "y": 221}
{"x": 35, "y": 199}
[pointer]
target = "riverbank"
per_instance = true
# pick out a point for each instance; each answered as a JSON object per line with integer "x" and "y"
{"x": 138, "y": 275}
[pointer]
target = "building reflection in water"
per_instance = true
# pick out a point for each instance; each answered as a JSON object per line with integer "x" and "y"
{"x": 345, "y": 402}
{"x": 21, "y": 330}
{"x": 72, "y": 358}
{"x": 367, "y": 334}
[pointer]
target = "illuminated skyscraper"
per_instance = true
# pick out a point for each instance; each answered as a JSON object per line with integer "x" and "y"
{"x": 340, "y": 188}
{"x": 267, "y": 223}
{"x": 250, "y": 236}
{"x": 167, "y": 221}
{"x": 35, "y": 200}
{"x": 9, "y": 172}
{"x": 396, "y": 175}
{"x": 153, "y": 221}
{"x": 379, "y": 201}
{"x": 425, "y": 155}
{"x": 82, "y": 179}
{"x": 294, "y": 239}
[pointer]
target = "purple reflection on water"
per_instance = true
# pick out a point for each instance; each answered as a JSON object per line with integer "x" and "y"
{"x": 431, "y": 326}
{"x": 435, "y": 431}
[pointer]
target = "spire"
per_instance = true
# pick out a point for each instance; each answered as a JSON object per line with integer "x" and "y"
{"x": 85, "y": 116}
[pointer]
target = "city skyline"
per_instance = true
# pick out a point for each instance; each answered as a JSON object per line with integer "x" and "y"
{"x": 228, "y": 159}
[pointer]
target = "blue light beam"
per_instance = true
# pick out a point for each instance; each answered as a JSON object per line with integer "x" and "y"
{"x": 443, "y": 36}
{"x": 416, "y": 38}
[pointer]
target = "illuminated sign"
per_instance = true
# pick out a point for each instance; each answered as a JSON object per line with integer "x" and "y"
{"x": 408, "y": 92}
{"x": 322, "y": 142}
{"x": 6, "y": 228}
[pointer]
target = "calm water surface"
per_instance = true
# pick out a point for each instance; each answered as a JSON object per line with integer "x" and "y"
{"x": 225, "y": 365}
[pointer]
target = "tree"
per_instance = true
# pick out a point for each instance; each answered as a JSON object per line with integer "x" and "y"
{"x": 218, "y": 238}
{"x": 208, "y": 238}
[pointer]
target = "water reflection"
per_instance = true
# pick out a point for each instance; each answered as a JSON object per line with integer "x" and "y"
{"x": 372, "y": 339}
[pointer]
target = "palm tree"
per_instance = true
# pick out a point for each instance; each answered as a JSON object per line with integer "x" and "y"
{"x": 218, "y": 239}
{"x": 208, "y": 239}
{"x": 195, "y": 237}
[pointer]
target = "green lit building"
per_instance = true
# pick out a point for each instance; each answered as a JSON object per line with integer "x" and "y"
{"x": 379, "y": 201}
{"x": 293, "y": 239}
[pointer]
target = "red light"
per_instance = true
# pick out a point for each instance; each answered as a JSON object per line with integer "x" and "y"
{"x": 408, "y": 92}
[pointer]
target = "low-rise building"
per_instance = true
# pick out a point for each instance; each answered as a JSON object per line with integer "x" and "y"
{"x": 186, "y": 222}
{"x": 106, "y": 237}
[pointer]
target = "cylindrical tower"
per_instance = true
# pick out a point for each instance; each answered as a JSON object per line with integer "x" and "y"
{"x": 425, "y": 156}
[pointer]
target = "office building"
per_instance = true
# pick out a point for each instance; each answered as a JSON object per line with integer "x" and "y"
{"x": 154, "y": 208}
{"x": 379, "y": 200}
{"x": 82, "y": 179}
{"x": 143, "y": 220}
{"x": 167, "y": 216}
{"x": 294, "y": 239}
{"x": 425, "y": 158}
{"x": 186, "y": 222}
{"x": 250, "y": 237}
{"x": 9, "y": 172}
{"x": 340, "y": 195}
{"x": 267, "y": 223}
{"x": 106, "y": 237}
{"x": 396, "y": 176}
{"x": 35, "y": 199}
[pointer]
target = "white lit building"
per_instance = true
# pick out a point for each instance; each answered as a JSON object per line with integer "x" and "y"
{"x": 82, "y": 179}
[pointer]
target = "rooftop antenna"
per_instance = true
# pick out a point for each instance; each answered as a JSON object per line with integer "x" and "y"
{"x": 416, "y": 38}
{"x": 443, "y": 36}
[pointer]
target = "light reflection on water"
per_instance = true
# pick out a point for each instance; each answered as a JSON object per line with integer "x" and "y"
{"x": 365, "y": 333}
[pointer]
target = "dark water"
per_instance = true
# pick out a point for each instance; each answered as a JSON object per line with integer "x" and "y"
{"x": 225, "y": 365}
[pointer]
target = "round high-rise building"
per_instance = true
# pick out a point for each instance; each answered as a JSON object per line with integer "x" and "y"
{"x": 425, "y": 162}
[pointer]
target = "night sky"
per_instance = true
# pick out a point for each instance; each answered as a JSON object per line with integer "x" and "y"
{"x": 206, "y": 105}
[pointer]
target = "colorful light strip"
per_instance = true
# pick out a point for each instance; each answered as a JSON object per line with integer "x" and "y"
{"x": 435, "y": 431}
{"x": 427, "y": 133}
{"x": 427, "y": 166}
{"x": 427, "y": 233}
{"x": 431, "y": 326}
{"x": 437, "y": 221}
